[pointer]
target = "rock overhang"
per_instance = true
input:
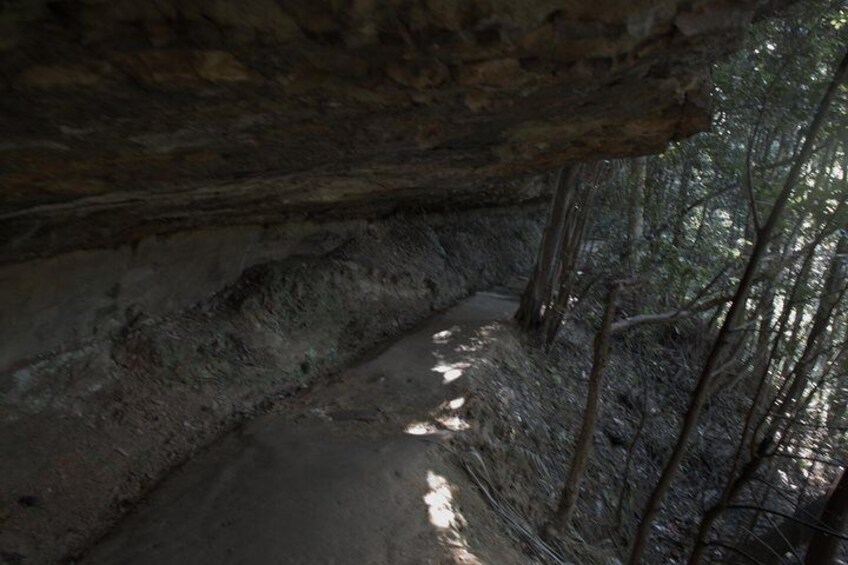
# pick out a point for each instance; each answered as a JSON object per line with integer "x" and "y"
{"x": 125, "y": 119}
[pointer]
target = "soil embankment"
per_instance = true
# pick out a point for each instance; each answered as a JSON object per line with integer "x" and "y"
{"x": 350, "y": 472}
{"x": 91, "y": 427}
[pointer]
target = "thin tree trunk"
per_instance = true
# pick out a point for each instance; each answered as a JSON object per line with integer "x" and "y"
{"x": 702, "y": 388}
{"x": 538, "y": 289}
{"x": 583, "y": 449}
{"x": 712, "y": 514}
{"x": 785, "y": 536}
{"x": 834, "y": 288}
{"x": 838, "y": 401}
{"x": 572, "y": 240}
{"x": 631, "y": 448}
{"x": 682, "y": 200}
{"x": 793, "y": 532}
{"x": 591, "y": 414}
{"x": 824, "y": 547}
{"x": 636, "y": 212}
{"x": 766, "y": 446}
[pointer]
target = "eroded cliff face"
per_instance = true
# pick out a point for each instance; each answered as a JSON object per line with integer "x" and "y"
{"x": 199, "y": 201}
{"x": 85, "y": 433}
{"x": 126, "y": 118}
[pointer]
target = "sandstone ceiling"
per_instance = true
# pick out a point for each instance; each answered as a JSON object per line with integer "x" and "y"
{"x": 127, "y": 118}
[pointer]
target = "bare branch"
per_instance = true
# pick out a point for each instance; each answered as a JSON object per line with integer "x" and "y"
{"x": 736, "y": 550}
{"x": 831, "y": 462}
{"x": 666, "y": 317}
{"x": 787, "y": 516}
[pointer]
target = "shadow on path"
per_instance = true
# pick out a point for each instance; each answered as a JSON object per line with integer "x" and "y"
{"x": 351, "y": 472}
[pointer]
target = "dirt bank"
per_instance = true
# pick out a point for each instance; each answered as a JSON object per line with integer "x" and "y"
{"x": 86, "y": 432}
{"x": 353, "y": 471}
{"x": 524, "y": 411}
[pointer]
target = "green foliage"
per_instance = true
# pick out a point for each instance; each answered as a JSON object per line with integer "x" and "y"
{"x": 698, "y": 217}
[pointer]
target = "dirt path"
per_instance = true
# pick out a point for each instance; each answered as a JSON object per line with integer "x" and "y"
{"x": 353, "y": 472}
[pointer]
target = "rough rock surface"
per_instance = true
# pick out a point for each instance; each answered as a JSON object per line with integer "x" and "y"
{"x": 123, "y": 118}
{"x": 354, "y": 471}
{"x": 154, "y": 150}
{"x": 85, "y": 432}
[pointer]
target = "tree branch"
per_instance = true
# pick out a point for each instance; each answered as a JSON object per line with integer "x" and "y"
{"x": 787, "y": 516}
{"x": 666, "y": 317}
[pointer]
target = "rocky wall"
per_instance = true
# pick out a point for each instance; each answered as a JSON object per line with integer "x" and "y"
{"x": 126, "y": 118}
{"x": 86, "y": 430}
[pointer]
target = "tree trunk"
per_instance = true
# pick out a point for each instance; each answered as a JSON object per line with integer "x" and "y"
{"x": 824, "y": 547}
{"x": 577, "y": 210}
{"x": 704, "y": 381}
{"x": 679, "y": 231}
{"x": 832, "y": 292}
{"x": 837, "y": 411}
{"x": 583, "y": 449}
{"x": 636, "y": 212}
{"x": 770, "y": 545}
{"x": 538, "y": 289}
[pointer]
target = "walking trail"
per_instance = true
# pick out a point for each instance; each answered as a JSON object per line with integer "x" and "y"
{"x": 355, "y": 471}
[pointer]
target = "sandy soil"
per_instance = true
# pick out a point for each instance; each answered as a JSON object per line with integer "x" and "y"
{"x": 354, "y": 471}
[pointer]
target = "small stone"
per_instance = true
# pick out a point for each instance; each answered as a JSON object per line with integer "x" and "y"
{"x": 47, "y": 77}
{"x": 180, "y": 67}
{"x": 499, "y": 72}
{"x": 11, "y": 557}
{"x": 419, "y": 75}
{"x": 29, "y": 501}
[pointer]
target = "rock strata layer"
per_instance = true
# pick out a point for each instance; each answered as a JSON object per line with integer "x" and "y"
{"x": 123, "y": 119}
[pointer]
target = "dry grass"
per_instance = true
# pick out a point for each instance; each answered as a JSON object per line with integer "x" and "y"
{"x": 524, "y": 407}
